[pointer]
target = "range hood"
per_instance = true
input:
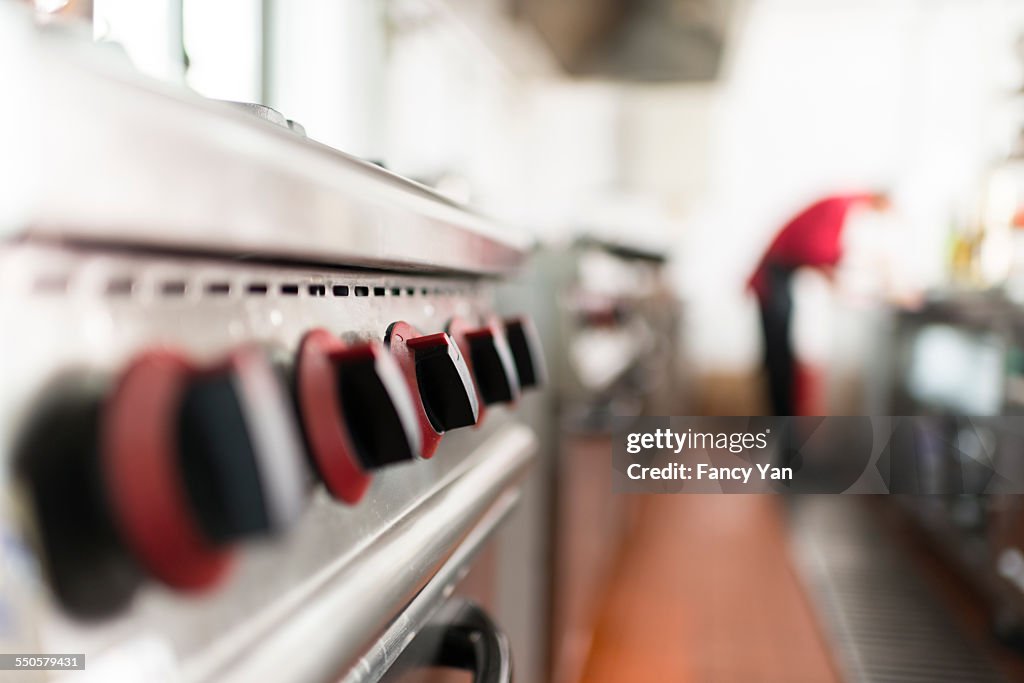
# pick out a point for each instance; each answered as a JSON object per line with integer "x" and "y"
{"x": 633, "y": 40}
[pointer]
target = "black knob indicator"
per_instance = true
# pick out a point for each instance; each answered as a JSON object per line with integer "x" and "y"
{"x": 444, "y": 382}
{"x": 439, "y": 378}
{"x": 356, "y": 410}
{"x": 490, "y": 360}
{"x": 240, "y": 450}
{"x": 527, "y": 353}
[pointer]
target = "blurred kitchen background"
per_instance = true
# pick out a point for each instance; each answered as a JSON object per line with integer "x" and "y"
{"x": 654, "y": 147}
{"x": 690, "y": 128}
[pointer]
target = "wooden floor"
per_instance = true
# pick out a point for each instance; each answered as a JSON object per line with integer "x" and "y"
{"x": 705, "y": 594}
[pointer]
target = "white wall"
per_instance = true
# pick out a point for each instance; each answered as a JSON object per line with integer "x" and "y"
{"x": 326, "y": 70}
{"x": 224, "y": 42}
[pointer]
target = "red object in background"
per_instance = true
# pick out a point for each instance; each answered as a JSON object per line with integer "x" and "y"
{"x": 812, "y": 238}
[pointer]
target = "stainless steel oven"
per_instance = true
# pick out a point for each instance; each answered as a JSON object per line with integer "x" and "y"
{"x": 258, "y": 419}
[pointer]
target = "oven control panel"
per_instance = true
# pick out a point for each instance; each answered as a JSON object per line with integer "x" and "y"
{"x": 190, "y": 438}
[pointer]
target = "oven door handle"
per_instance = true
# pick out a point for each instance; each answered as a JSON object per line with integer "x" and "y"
{"x": 471, "y": 641}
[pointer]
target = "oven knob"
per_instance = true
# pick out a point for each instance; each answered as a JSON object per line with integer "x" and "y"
{"x": 195, "y": 458}
{"x": 439, "y": 377}
{"x": 445, "y": 385}
{"x": 55, "y": 471}
{"x": 356, "y": 410}
{"x": 490, "y": 360}
{"x": 527, "y": 353}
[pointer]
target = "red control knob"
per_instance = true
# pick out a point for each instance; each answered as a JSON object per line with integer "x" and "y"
{"x": 195, "y": 458}
{"x": 356, "y": 410}
{"x": 487, "y": 352}
{"x": 439, "y": 378}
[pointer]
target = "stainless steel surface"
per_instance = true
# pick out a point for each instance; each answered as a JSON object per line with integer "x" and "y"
{"x": 262, "y": 112}
{"x": 883, "y": 620}
{"x": 339, "y": 614}
{"x": 402, "y": 630}
{"x": 94, "y": 153}
{"x": 327, "y": 588}
{"x": 386, "y": 651}
{"x": 956, "y": 358}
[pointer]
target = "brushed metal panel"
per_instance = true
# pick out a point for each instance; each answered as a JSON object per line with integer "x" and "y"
{"x": 95, "y": 153}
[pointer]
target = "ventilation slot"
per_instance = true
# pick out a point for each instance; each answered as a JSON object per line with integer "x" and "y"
{"x": 173, "y": 288}
{"x": 122, "y": 286}
{"x": 51, "y": 284}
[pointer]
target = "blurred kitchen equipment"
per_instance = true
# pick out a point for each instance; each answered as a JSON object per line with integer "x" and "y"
{"x": 605, "y": 314}
{"x": 959, "y": 358}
